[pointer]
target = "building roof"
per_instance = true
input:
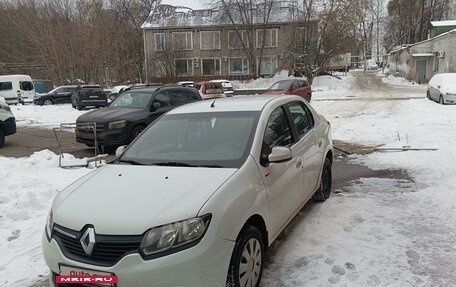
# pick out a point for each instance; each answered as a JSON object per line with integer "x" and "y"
{"x": 167, "y": 16}
{"x": 424, "y": 41}
{"x": 443, "y": 23}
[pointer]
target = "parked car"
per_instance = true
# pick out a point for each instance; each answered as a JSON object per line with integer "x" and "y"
{"x": 89, "y": 95}
{"x": 442, "y": 88}
{"x": 130, "y": 113}
{"x": 210, "y": 90}
{"x": 186, "y": 83}
{"x": 296, "y": 87}
{"x": 16, "y": 89}
{"x": 228, "y": 88}
{"x": 197, "y": 198}
{"x": 7, "y": 121}
{"x": 59, "y": 95}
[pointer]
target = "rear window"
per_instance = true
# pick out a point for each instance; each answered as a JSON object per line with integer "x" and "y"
{"x": 6, "y": 86}
{"x": 26, "y": 86}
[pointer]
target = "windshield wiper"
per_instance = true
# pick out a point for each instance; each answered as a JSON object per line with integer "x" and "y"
{"x": 210, "y": 165}
{"x": 129, "y": 161}
{"x": 173, "y": 163}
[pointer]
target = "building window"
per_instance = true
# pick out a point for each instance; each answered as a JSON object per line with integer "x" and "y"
{"x": 210, "y": 40}
{"x": 159, "y": 41}
{"x": 239, "y": 66}
{"x": 184, "y": 67}
{"x": 268, "y": 65}
{"x": 211, "y": 67}
{"x": 270, "y": 38}
{"x": 182, "y": 41}
{"x": 233, "y": 39}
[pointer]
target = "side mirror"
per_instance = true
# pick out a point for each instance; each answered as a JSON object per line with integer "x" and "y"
{"x": 438, "y": 86}
{"x": 120, "y": 150}
{"x": 280, "y": 154}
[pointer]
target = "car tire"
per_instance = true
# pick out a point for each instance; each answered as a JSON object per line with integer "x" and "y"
{"x": 248, "y": 255}
{"x": 428, "y": 95}
{"x": 136, "y": 131}
{"x": 308, "y": 97}
{"x": 324, "y": 191}
{"x": 79, "y": 107}
{"x": 47, "y": 102}
{"x": 2, "y": 137}
{"x": 441, "y": 101}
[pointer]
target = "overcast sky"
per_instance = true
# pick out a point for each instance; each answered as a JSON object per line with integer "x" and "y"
{"x": 194, "y": 4}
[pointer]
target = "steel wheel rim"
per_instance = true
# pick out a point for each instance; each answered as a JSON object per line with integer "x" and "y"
{"x": 250, "y": 263}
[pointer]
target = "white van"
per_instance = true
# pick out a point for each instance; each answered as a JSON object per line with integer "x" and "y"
{"x": 17, "y": 89}
{"x": 7, "y": 121}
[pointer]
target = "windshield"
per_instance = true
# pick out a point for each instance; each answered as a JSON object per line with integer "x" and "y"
{"x": 280, "y": 86}
{"x": 132, "y": 99}
{"x": 200, "y": 139}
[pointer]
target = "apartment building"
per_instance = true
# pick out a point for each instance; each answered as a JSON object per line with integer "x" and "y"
{"x": 185, "y": 44}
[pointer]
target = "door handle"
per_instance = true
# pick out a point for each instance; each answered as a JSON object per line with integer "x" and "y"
{"x": 298, "y": 162}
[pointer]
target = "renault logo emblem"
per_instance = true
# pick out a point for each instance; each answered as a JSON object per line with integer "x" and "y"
{"x": 88, "y": 240}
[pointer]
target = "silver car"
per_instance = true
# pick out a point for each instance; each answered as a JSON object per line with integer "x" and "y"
{"x": 442, "y": 88}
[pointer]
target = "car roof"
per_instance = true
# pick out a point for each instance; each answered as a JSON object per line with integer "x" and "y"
{"x": 238, "y": 103}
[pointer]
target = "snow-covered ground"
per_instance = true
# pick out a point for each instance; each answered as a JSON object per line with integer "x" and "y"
{"x": 44, "y": 116}
{"x": 374, "y": 232}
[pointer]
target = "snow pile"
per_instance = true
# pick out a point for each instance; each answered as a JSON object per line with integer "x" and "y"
{"x": 262, "y": 83}
{"x": 45, "y": 116}
{"x": 26, "y": 191}
{"x": 330, "y": 83}
{"x": 398, "y": 81}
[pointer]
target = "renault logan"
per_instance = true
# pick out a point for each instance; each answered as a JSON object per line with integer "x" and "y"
{"x": 197, "y": 198}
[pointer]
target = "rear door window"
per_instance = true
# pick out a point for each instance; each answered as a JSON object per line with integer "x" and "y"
{"x": 163, "y": 98}
{"x": 6, "y": 86}
{"x": 26, "y": 86}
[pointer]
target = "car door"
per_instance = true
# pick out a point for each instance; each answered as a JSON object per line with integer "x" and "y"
{"x": 306, "y": 147}
{"x": 283, "y": 181}
{"x": 294, "y": 89}
{"x": 161, "y": 104}
{"x": 65, "y": 95}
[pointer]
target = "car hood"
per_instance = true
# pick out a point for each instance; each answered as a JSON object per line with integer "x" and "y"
{"x": 109, "y": 114}
{"x": 126, "y": 199}
{"x": 40, "y": 95}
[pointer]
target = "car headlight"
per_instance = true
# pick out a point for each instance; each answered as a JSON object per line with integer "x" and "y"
{"x": 49, "y": 225}
{"x": 450, "y": 94}
{"x": 173, "y": 237}
{"x": 117, "y": 125}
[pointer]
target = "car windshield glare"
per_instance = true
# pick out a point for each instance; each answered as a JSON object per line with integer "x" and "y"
{"x": 214, "y": 139}
{"x": 132, "y": 99}
{"x": 280, "y": 86}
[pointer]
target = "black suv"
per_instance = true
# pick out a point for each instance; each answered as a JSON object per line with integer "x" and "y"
{"x": 58, "y": 95}
{"x": 130, "y": 113}
{"x": 89, "y": 95}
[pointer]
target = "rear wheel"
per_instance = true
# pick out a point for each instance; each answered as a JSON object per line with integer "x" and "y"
{"x": 246, "y": 265}
{"x": 2, "y": 137}
{"x": 324, "y": 191}
{"x": 47, "y": 102}
{"x": 428, "y": 95}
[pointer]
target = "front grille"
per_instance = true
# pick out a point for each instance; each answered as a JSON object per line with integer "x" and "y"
{"x": 108, "y": 249}
{"x": 88, "y": 127}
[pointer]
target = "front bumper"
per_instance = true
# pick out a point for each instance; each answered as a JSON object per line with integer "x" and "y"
{"x": 9, "y": 126}
{"x": 115, "y": 137}
{"x": 203, "y": 265}
{"x": 450, "y": 99}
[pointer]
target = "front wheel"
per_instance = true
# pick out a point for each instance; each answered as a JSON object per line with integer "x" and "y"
{"x": 428, "y": 95}
{"x": 136, "y": 132}
{"x": 324, "y": 191}
{"x": 441, "y": 100}
{"x": 246, "y": 265}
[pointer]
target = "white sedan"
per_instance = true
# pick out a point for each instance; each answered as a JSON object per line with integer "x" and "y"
{"x": 442, "y": 88}
{"x": 197, "y": 198}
